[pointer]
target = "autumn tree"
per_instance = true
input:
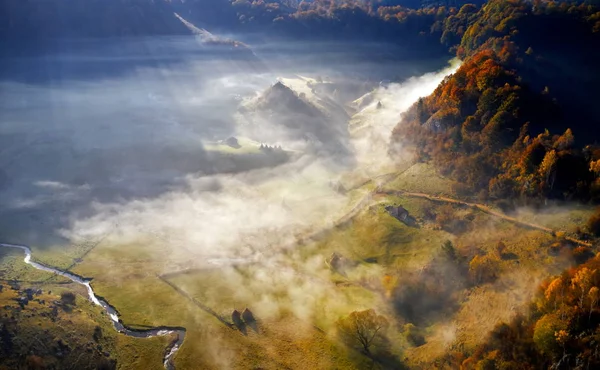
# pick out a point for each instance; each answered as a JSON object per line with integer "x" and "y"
{"x": 582, "y": 282}
{"x": 363, "y": 329}
{"x": 595, "y": 167}
{"x": 555, "y": 292}
{"x": 545, "y": 333}
{"x": 483, "y": 269}
{"x": 547, "y": 169}
{"x": 594, "y": 295}
{"x": 565, "y": 141}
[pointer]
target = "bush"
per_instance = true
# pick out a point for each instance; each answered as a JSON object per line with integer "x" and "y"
{"x": 97, "y": 333}
{"x": 106, "y": 364}
{"x": 67, "y": 298}
{"x": 448, "y": 250}
{"x": 414, "y": 335}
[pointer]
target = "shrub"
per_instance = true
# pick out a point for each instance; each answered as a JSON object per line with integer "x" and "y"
{"x": 67, "y": 298}
{"x": 414, "y": 335}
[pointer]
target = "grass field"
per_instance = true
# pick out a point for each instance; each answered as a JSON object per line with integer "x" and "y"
{"x": 297, "y": 297}
{"x": 422, "y": 178}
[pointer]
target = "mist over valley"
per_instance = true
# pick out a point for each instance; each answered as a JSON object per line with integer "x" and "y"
{"x": 300, "y": 185}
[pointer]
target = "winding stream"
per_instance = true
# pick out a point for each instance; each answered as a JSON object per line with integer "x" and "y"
{"x": 111, "y": 311}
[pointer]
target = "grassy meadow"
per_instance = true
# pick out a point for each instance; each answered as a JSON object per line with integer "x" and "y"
{"x": 297, "y": 296}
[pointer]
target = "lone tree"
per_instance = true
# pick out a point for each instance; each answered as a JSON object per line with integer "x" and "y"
{"x": 363, "y": 329}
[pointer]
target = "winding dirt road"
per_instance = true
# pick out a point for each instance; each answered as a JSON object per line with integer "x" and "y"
{"x": 486, "y": 209}
{"x": 368, "y": 200}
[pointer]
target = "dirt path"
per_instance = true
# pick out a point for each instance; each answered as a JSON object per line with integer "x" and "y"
{"x": 485, "y": 209}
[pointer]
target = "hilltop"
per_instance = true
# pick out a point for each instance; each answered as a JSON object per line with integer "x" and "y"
{"x": 305, "y": 119}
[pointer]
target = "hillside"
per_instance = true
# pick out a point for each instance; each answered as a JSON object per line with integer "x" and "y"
{"x": 494, "y": 126}
{"x": 299, "y": 119}
{"x": 47, "y": 323}
{"x": 516, "y": 125}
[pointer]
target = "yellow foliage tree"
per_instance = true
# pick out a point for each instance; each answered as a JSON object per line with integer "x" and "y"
{"x": 582, "y": 281}
{"x": 363, "y": 329}
{"x": 544, "y": 333}
{"x": 595, "y": 167}
{"x": 547, "y": 168}
{"x": 565, "y": 141}
{"x": 594, "y": 295}
{"x": 554, "y": 291}
{"x": 482, "y": 269}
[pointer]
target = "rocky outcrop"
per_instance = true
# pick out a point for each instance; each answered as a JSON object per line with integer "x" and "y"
{"x": 398, "y": 212}
{"x": 233, "y": 142}
{"x": 338, "y": 263}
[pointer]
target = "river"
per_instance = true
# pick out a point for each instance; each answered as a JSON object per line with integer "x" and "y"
{"x": 179, "y": 333}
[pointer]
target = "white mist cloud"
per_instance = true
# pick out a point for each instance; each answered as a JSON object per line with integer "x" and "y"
{"x": 131, "y": 146}
{"x": 372, "y": 125}
{"x": 273, "y": 204}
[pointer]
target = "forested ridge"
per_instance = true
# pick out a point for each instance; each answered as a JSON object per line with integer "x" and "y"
{"x": 416, "y": 24}
{"x": 507, "y": 123}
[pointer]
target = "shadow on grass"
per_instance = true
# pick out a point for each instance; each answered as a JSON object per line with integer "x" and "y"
{"x": 383, "y": 359}
{"x": 253, "y": 325}
{"x": 509, "y": 256}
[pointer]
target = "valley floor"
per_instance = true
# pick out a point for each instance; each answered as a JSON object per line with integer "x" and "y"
{"x": 297, "y": 294}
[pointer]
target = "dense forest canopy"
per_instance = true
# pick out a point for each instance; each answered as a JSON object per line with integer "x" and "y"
{"x": 507, "y": 123}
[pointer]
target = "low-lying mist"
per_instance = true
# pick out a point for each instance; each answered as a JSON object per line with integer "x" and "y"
{"x": 115, "y": 134}
{"x": 208, "y": 159}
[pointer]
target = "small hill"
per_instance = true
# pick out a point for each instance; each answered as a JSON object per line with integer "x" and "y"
{"x": 280, "y": 98}
{"x": 281, "y": 114}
